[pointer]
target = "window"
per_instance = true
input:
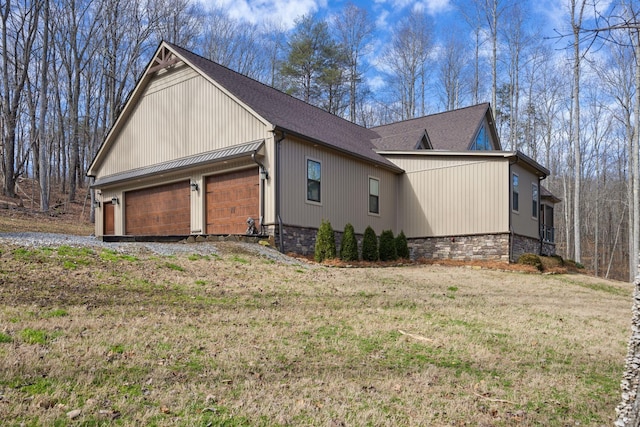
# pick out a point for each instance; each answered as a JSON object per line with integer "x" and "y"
{"x": 313, "y": 180}
{"x": 374, "y": 196}
{"x": 534, "y": 198}
{"x": 482, "y": 140}
{"x": 515, "y": 193}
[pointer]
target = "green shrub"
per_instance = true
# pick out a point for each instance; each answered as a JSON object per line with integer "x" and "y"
{"x": 325, "y": 242}
{"x": 349, "y": 247}
{"x": 369, "y": 245}
{"x": 401, "y": 246}
{"x": 388, "y": 250}
{"x": 531, "y": 259}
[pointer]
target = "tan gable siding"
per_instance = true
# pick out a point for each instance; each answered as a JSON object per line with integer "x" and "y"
{"x": 452, "y": 196}
{"x": 180, "y": 114}
{"x": 523, "y": 221}
{"x": 345, "y": 190}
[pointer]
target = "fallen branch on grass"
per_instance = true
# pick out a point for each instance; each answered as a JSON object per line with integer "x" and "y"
{"x": 415, "y": 337}
{"x": 494, "y": 400}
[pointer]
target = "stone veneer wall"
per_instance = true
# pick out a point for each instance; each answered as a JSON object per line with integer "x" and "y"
{"x": 548, "y": 249}
{"x": 485, "y": 246}
{"x": 301, "y": 240}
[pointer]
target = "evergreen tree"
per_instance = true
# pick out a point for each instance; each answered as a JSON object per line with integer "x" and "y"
{"x": 387, "y": 246}
{"x": 325, "y": 242}
{"x": 370, "y": 245}
{"x": 349, "y": 248}
{"x": 314, "y": 70}
{"x": 402, "y": 247}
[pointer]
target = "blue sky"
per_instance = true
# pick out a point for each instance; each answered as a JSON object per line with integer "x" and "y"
{"x": 385, "y": 12}
{"x": 546, "y": 16}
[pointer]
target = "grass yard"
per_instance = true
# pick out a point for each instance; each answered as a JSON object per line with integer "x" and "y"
{"x": 93, "y": 337}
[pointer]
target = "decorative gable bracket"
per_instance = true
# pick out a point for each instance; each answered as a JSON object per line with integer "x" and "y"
{"x": 164, "y": 59}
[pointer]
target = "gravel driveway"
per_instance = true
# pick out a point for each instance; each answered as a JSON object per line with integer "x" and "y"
{"x": 31, "y": 239}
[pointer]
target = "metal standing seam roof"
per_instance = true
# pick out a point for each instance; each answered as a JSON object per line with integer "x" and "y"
{"x": 184, "y": 163}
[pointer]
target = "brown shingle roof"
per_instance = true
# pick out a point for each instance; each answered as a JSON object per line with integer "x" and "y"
{"x": 451, "y": 130}
{"x": 291, "y": 114}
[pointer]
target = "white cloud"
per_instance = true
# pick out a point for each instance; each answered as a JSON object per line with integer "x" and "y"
{"x": 431, "y": 7}
{"x": 377, "y": 83}
{"x": 434, "y": 7}
{"x": 284, "y": 12}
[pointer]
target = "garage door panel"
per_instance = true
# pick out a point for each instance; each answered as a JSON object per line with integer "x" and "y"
{"x": 231, "y": 199}
{"x": 162, "y": 210}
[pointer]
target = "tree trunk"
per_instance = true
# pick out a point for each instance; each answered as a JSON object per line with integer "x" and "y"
{"x": 576, "y": 23}
{"x": 43, "y": 169}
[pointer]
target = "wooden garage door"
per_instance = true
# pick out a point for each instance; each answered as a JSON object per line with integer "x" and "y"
{"x": 159, "y": 211}
{"x": 231, "y": 199}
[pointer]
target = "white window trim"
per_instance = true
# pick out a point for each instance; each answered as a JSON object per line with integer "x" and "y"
{"x": 369, "y": 178}
{"x": 517, "y": 211}
{"x": 306, "y": 181}
{"x": 537, "y": 187}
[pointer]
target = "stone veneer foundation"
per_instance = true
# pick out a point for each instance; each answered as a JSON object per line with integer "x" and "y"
{"x": 301, "y": 240}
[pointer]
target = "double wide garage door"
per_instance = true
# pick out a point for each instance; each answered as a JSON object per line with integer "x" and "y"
{"x": 166, "y": 210}
{"x": 159, "y": 211}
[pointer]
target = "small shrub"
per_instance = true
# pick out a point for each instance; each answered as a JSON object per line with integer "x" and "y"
{"x": 369, "y": 245}
{"x": 402, "y": 247}
{"x": 325, "y": 242}
{"x": 4, "y": 338}
{"x": 34, "y": 336}
{"x": 387, "y": 250}
{"x": 349, "y": 248}
{"x": 172, "y": 266}
{"x": 58, "y": 312}
{"x": 531, "y": 259}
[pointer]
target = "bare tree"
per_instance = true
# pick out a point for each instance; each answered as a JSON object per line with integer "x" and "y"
{"x": 179, "y": 21}
{"x": 19, "y": 24}
{"x": 493, "y": 9}
{"x": 233, "y": 44}
{"x": 452, "y": 71}
{"x": 355, "y": 29}
{"x": 576, "y": 10}
{"x": 43, "y": 161}
{"x": 406, "y": 57}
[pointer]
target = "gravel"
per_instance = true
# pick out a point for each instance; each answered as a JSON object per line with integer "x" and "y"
{"x": 32, "y": 239}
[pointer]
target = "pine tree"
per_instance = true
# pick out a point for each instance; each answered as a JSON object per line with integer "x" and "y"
{"x": 349, "y": 248}
{"x": 370, "y": 245}
{"x": 402, "y": 247}
{"x": 325, "y": 242}
{"x": 388, "y": 250}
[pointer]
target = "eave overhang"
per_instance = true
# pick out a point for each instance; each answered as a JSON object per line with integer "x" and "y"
{"x": 513, "y": 156}
{"x": 383, "y": 163}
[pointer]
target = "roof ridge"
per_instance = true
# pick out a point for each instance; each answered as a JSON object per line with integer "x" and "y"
{"x": 434, "y": 114}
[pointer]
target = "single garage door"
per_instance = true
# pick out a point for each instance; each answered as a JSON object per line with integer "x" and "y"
{"x": 159, "y": 211}
{"x": 231, "y": 199}
{"x": 109, "y": 218}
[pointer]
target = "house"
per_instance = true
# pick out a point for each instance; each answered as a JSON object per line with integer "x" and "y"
{"x": 199, "y": 149}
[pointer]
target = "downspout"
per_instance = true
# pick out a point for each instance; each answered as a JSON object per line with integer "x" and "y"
{"x": 264, "y": 175}
{"x": 540, "y": 232}
{"x": 277, "y": 197}
{"x": 510, "y": 207}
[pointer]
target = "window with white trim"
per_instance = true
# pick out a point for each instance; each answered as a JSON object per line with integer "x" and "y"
{"x": 515, "y": 193}
{"x": 374, "y": 195}
{"x": 534, "y": 200}
{"x": 314, "y": 176}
